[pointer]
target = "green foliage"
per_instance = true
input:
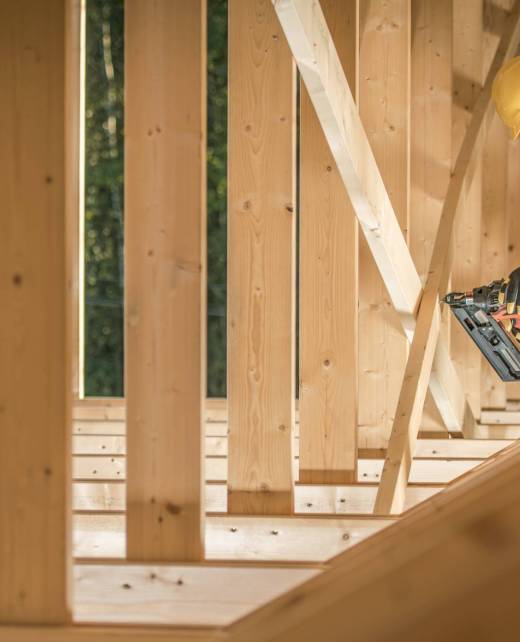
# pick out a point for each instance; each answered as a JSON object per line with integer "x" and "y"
{"x": 104, "y": 178}
{"x": 217, "y": 195}
{"x": 104, "y": 159}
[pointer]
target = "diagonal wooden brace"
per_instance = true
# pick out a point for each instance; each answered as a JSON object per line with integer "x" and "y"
{"x": 390, "y": 498}
{"x": 315, "y": 54}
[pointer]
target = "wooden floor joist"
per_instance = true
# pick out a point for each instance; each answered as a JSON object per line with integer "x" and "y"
{"x": 328, "y": 282}
{"x": 312, "y": 47}
{"x": 35, "y": 319}
{"x": 261, "y": 260}
{"x": 406, "y": 427}
{"x": 165, "y": 288}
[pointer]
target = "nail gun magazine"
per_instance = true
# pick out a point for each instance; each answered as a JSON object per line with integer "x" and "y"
{"x": 485, "y": 319}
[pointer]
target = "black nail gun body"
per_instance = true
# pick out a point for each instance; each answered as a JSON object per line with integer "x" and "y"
{"x": 481, "y": 315}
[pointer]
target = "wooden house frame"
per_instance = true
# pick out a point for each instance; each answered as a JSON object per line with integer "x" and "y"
{"x": 168, "y": 516}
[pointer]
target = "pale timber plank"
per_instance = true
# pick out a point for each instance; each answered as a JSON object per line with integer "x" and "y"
{"x": 384, "y": 107}
{"x": 466, "y": 274}
{"x": 244, "y": 538}
{"x": 110, "y": 468}
{"x": 430, "y": 167}
{"x": 513, "y": 231}
{"x": 92, "y": 633}
{"x": 261, "y": 260}
{"x": 218, "y": 447}
{"x": 328, "y": 285}
{"x": 353, "y": 499}
{"x": 494, "y": 259}
{"x": 500, "y": 417}
{"x": 406, "y": 427}
{"x": 177, "y": 595}
{"x": 456, "y": 530}
{"x": 75, "y": 184}
{"x": 308, "y": 36}
{"x": 35, "y": 319}
{"x": 165, "y": 121}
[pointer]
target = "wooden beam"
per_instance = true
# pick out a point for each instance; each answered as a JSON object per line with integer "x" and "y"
{"x": 431, "y": 90}
{"x": 418, "y": 368}
{"x": 494, "y": 259}
{"x": 34, "y": 325}
{"x": 75, "y": 184}
{"x": 466, "y": 274}
{"x": 513, "y": 230}
{"x": 384, "y": 106}
{"x": 261, "y": 260}
{"x": 121, "y": 633}
{"x": 312, "y": 47}
{"x": 91, "y": 496}
{"x": 475, "y": 526}
{"x": 165, "y": 44}
{"x": 287, "y": 541}
{"x": 328, "y": 286}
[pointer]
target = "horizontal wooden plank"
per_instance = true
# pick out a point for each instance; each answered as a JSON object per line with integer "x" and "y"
{"x": 353, "y": 499}
{"x": 89, "y": 633}
{"x": 218, "y": 447}
{"x": 369, "y": 470}
{"x": 176, "y": 595}
{"x": 500, "y": 417}
{"x": 281, "y": 539}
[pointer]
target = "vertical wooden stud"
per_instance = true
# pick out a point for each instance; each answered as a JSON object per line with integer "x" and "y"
{"x": 494, "y": 260}
{"x": 261, "y": 260}
{"x": 328, "y": 285}
{"x": 35, "y": 391}
{"x": 513, "y": 229}
{"x": 74, "y": 184}
{"x": 165, "y": 121}
{"x": 431, "y": 91}
{"x": 384, "y": 103}
{"x": 467, "y": 82}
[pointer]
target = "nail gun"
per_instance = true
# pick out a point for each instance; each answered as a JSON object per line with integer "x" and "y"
{"x": 484, "y": 317}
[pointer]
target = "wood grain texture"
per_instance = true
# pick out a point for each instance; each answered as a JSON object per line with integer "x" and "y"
{"x": 430, "y": 165}
{"x": 513, "y": 229}
{"x": 34, "y": 323}
{"x": 418, "y": 368}
{"x": 75, "y": 183}
{"x": 307, "y": 33}
{"x": 494, "y": 228}
{"x": 261, "y": 260}
{"x": 328, "y": 338}
{"x": 384, "y": 106}
{"x": 475, "y": 526}
{"x": 466, "y": 275}
{"x": 165, "y": 121}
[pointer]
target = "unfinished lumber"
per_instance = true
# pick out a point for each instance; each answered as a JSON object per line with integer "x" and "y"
{"x": 165, "y": 122}
{"x": 261, "y": 260}
{"x": 494, "y": 259}
{"x": 418, "y": 368}
{"x": 34, "y": 324}
{"x": 103, "y": 633}
{"x": 75, "y": 184}
{"x": 466, "y": 274}
{"x": 188, "y": 595}
{"x": 311, "y": 44}
{"x": 430, "y": 166}
{"x": 229, "y": 538}
{"x": 513, "y": 230}
{"x": 328, "y": 282}
{"x": 474, "y": 526}
{"x": 384, "y": 107}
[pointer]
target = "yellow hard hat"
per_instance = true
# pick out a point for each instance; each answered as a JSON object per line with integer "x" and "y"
{"x": 506, "y": 95}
